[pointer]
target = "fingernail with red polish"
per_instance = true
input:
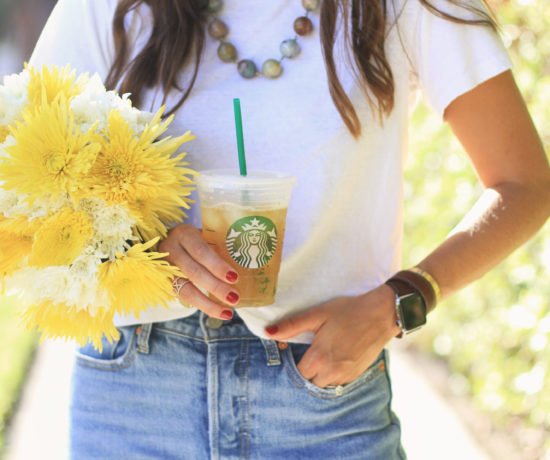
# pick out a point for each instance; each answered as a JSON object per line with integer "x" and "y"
{"x": 227, "y": 314}
{"x": 272, "y": 329}
{"x": 231, "y": 276}
{"x": 232, "y": 297}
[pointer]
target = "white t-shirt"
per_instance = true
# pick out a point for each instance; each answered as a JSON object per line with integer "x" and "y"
{"x": 345, "y": 220}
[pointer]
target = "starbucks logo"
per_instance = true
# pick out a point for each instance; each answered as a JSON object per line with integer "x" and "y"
{"x": 252, "y": 241}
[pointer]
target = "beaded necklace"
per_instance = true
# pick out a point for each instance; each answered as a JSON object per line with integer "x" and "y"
{"x": 271, "y": 68}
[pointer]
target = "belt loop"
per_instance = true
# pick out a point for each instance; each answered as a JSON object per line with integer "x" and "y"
{"x": 272, "y": 352}
{"x": 144, "y": 332}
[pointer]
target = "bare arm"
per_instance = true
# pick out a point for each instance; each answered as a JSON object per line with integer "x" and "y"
{"x": 492, "y": 123}
{"x": 494, "y": 127}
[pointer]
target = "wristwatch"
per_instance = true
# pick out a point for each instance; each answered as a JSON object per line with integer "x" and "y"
{"x": 410, "y": 306}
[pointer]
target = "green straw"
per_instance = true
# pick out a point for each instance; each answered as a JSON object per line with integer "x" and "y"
{"x": 240, "y": 139}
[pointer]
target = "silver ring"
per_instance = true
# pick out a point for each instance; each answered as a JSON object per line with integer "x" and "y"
{"x": 178, "y": 284}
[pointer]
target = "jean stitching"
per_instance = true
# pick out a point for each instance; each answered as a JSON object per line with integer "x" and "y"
{"x": 201, "y": 339}
{"x": 109, "y": 366}
{"x": 245, "y": 448}
{"x": 212, "y": 363}
{"x": 387, "y": 375}
{"x": 122, "y": 362}
{"x": 298, "y": 381}
{"x": 144, "y": 337}
{"x": 296, "y": 377}
{"x": 393, "y": 417}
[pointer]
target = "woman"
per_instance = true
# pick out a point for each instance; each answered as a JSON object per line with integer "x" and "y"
{"x": 308, "y": 376}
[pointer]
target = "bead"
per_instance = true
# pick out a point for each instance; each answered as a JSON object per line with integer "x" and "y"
{"x": 272, "y": 68}
{"x": 247, "y": 68}
{"x": 227, "y": 52}
{"x": 290, "y": 48}
{"x": 218, "y": 29}
{"x": 303, "y": 25}
{"x": 310, "y": 5}
{"x": 215, "y": 6}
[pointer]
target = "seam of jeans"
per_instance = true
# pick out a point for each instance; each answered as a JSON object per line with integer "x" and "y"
{"x": 212, "y": 374}
{"x": 109, "y": 366}
{"x": 321, "y": 393}
{"x": 273, "y": 356}
{"x": 122, "y": 362}
{"x": 393, "y": 417}
{"x": 245, "y": 413}
{"x": 387, "y": 375}
{"x": 299, "y": 380}
{"x": 143, "y": 338}
{"x": 201, "y": 339}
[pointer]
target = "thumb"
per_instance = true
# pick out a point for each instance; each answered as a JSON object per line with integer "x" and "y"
{"x": 309, "y": 320}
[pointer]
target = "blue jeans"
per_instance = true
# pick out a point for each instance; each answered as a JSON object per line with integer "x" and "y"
{"x": 192, "y": 389}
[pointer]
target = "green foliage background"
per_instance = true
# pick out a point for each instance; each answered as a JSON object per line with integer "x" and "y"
{"x": 495, "y": 334}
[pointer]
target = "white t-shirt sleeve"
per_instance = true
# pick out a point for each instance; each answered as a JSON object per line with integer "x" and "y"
{"x": 449, "y": 58}
{"x": 79, "y": 33}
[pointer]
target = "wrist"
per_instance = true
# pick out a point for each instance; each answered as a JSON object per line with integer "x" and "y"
{"x": 417, "y": 280}
{"x": 411, "y": 302}
{"x": 392, "y": 324}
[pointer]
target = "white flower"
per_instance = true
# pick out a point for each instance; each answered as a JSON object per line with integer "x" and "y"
{"x": 8, "y": 201}
{"x": 13, "y": 96}
{"x": 57, "y": 284}
{"x": 112, "y": 227}
{"x": 95, "y": 103}
{"x": 13, "y": 204}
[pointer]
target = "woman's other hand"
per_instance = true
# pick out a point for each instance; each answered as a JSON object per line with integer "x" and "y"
{"x": 350, "y": 333}
{"x": 205, "y": 269}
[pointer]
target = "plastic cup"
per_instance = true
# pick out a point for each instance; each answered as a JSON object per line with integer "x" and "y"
{"x": 243, "y": 219}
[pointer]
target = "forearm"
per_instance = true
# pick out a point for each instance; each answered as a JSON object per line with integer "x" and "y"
{"x": 502, "y": 219}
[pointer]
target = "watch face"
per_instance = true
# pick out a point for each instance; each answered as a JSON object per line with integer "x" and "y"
{"x": 413, "y": 311}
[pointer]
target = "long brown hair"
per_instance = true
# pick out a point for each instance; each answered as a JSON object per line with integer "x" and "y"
{"x": 178, "y": 38}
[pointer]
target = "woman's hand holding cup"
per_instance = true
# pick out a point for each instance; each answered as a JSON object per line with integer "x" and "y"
{"x": 203, "y": 269}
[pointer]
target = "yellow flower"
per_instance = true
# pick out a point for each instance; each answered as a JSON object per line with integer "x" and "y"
{"x": 139, "y": 171}
{"x": 51, "y": 82}
{"x": 61, "y": 238}
{"x": 60, "y": 320}
{"x": 20, "y": 225}
{"x": 13, "y": 249}
{"x": 15, "y": 242}
{"x": 50, "y": 155}
{"x": 138, "y": 280}
{"x": 4, "y": 131}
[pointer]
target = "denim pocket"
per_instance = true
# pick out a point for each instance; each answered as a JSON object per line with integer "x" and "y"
{"x": 116, "y": 355}
{"x": 293, "y": 354}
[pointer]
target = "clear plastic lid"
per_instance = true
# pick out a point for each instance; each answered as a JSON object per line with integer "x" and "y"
{"x": 231, "y": 179}
{"x": 259, "y": 189}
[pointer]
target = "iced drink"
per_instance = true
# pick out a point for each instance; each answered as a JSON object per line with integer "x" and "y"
{"x": 243, "y": 218}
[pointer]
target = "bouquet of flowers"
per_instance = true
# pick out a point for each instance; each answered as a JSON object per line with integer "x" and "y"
{"x": 87, "y": 189}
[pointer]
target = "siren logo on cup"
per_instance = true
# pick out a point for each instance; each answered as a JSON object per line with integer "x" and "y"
{"x": 252, "y": 241}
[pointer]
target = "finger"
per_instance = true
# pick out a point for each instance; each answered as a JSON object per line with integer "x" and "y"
{"x": 189, "y": 294}
{"x": 202, "y": 278}
{"x": 191, "y": 240}
{"x": 307, "y": 372}
{"x": 309, "y": 364}
{"x": 322, "y": 380}
{"x": 333, "y": 376}
{"x": 309, "y": 320}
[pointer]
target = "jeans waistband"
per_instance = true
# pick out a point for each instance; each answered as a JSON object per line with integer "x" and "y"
{"x": 200, "y": 326}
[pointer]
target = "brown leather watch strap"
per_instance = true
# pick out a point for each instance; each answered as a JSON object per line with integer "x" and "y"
{"x": 420, "y": 284}
{"x": 399, "y": 288}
